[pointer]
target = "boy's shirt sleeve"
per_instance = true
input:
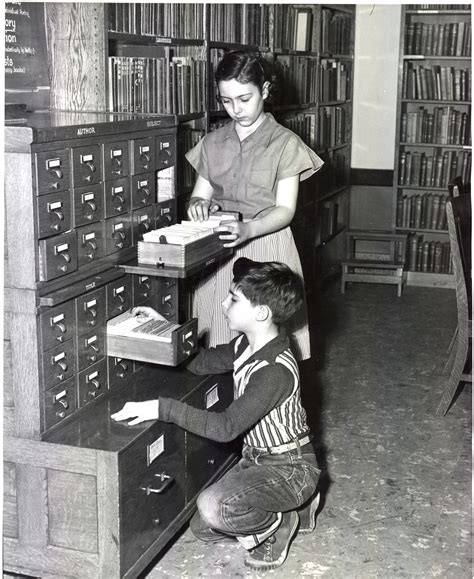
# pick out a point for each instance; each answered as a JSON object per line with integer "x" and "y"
{"x": 266, "y": 388}
{"x": 214, "y": 360}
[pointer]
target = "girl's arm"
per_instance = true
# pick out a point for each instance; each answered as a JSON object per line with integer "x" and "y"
{"x": 200, "y": 203}
{"x": 237, "y": 232}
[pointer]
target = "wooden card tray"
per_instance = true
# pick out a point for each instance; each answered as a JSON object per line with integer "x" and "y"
{"x": 144, "y": 348}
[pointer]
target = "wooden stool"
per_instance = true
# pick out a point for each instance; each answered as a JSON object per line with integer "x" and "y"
{"x": 375, "y": 267}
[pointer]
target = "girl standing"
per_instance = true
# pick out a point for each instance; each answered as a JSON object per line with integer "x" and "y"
{"x": 252, "y": 165}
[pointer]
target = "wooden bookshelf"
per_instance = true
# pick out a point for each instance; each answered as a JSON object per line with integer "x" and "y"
{"x": 433, "y": 137}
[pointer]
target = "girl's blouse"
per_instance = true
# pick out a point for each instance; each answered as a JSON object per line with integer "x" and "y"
{"x": 244, "y": 174}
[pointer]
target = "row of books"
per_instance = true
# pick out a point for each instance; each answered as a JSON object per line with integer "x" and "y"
{"x": 296, "y": 80}
{"x": 304, "y": 125}
{"x": 157, "y": 19}
{"x": 444, "y": 126}
{"x": 335, "y": 79}
{"x": 428, "y": 256}
{"x": 187, "y": 139}
{"x": 436, "y": 170}
{"x": 436, "y": 82}
{"x": 334, "y": 126}
{"x": 438, "y": 7}
{"x": 168, "y": 85}
{"x": 240, "y": 23}
{"x": 335, "y": 32}
{"x": 450, "y": 39}
{"x": 292, "y": 28}
{"x": 422, "y": 211}
{"x": 335, "y": 171}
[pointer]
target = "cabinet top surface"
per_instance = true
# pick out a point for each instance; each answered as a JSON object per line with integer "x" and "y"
{"x": 96, "y": 430}
{"x": 37, "y": 127}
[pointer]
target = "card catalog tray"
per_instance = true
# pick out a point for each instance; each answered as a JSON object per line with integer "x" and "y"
{"x": 179, "y": 344}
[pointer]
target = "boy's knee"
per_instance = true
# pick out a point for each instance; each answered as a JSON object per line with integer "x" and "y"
{"x": 210, "y": 509}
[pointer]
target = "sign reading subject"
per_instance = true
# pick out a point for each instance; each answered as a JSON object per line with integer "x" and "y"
{"x": 26, "y": 63}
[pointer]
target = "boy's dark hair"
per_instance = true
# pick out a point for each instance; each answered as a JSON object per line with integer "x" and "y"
{"x": 272, "y": 284}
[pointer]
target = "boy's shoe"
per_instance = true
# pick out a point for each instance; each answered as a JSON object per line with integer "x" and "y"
{"x": 308, "y": 515}
{"x": 272, "y": 553}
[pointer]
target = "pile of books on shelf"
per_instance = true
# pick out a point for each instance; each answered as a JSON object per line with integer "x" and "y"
{"x": 428, "y": 256}
{"x": 425, "y": 211}
{"x": 444, "y": 126}
{"x": 435, "y": 82}
{"x": 437, "y": 7}
{"x": 334, "y": 126}
{"x": 304, "y": 125}
{"x": 296, "y": 80}
{"x": 184, "y": 21}
{"x": 335, "y": 32}
{"x": 437, "y": 170}
{"x": 174, "y": 83}
{"x": 239, "y": 23}
{"x": 293, "y": 28}
{"x": 335, "y": 80}
{"x": 449, "y": 39}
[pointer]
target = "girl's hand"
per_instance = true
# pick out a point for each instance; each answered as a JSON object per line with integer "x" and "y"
{"x": 199, "y": 208}
{"x": 236, "y": 232}
{"x": 146, "y": 312}
{"x": 139, "y": 411}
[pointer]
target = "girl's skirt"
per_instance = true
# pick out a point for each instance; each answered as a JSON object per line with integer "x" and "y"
{"x": 213, "y": 289}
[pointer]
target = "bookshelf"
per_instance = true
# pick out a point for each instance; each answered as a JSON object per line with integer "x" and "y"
{"x": 309, "y": 49}
{"x": 434, "y": 142}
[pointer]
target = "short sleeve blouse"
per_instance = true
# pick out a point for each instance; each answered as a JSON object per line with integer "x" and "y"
{"x": 244, "y": 174}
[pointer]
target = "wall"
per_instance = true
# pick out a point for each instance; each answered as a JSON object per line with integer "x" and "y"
{"x": 377, "y": 39}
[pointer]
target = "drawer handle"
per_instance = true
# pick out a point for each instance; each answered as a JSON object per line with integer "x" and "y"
{"x": 166, "y": 481}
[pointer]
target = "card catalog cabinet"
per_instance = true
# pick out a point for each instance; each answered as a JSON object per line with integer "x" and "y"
{"x": 84, "y": 496}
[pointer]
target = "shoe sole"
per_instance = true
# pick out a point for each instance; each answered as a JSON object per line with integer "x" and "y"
{"x": 281, "y": 558}
{"x": 312, "y": 515}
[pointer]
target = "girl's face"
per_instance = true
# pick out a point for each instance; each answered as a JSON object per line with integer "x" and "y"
{"x": 242, "y": 101}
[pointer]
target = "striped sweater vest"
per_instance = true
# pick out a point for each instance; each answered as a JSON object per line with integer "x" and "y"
{"x": 284, "y": 422}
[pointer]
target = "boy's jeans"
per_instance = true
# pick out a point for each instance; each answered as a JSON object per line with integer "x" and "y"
{"x": 247, "y": 500}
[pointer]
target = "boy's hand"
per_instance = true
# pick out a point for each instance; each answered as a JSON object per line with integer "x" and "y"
{"x": 146, "y": 312}
{"x": 139, "y": 411}
{"x": 200, "y": 208}
{"x": 236, "y": 232}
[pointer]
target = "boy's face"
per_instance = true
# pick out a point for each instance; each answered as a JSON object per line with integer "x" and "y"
{"x": 240, "y": 314}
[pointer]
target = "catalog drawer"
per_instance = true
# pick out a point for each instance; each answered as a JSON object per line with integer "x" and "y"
{"x": 152, "y": 479}
{"x": 88, "y": 204}
{"x": 53, "y": 213}
{"x": 92, "y": 383}
{"x": 116, "y": 163}
{"x": 52, "y": 171}
{"x": 58, "y": 256}
{"x": 58, "y": 364}
{"x": 59, "y": 402}
{"x": 143, "y": 190}
{"x": 206, "y": 457}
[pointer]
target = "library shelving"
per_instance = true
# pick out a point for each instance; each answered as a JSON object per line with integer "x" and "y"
{"x": 434, "y": 143}
{"x": 309, "y": 51}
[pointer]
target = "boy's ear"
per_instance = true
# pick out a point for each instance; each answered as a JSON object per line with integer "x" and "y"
{"x": 263, "y": 313}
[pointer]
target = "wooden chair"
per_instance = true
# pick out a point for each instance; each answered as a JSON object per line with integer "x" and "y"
{"x": 458, "y": 212}
{"x": 384, "y": 264}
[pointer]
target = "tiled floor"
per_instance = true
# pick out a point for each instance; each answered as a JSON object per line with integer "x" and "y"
{"x": 399, "y": 500}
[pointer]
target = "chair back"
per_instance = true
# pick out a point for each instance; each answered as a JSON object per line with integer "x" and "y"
{"x": 459, "y": 217}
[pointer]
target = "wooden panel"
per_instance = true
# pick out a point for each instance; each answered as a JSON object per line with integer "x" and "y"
{"x": 32, "y": 505}
{"x": 72, "y": 515}
{"x": 108, "y": 500}
{"x": 25, "y": 376}
{"x": 10, "y": 510}
{"x": 7, "y": 374}
{"x": 50, "y": 456}
{"x": 76, "y": 46}
{"x": 50, "y": 562}
{"x": 20, "y": 213}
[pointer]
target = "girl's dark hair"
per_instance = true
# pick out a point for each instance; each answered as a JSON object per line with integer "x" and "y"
{"x": 272, "y": 284}
{"x": 243, "y": 66}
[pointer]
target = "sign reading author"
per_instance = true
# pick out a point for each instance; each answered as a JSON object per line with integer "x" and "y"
{"x": 26, "y": 63}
